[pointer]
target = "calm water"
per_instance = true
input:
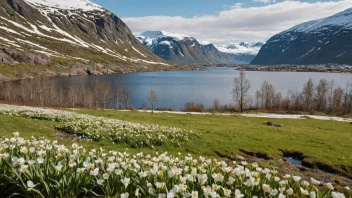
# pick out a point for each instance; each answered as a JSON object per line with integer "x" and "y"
{"x": 175, "y": 88}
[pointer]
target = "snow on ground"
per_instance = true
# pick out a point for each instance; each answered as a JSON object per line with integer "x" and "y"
{"x": 138, "y": 51}
{"x": 259, "y": 115}
{"x": 13, "y": 43}
{"x": 9, "y": 30}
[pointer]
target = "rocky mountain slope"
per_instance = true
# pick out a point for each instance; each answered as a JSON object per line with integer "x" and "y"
{"x": 69, "y": 33}
{"x": 183, "y": 49}
{"x": 321, "y": 41}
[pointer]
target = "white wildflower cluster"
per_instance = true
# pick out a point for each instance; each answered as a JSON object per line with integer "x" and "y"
{"x": 96, "y": 128}
{"x": 44, "y": 168}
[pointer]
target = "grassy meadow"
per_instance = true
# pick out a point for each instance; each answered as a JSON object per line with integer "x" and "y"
{"x": 322, "y": 144}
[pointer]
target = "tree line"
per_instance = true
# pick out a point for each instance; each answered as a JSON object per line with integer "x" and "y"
{"x": 322, "y": 97}
{"x": 45, "y": 92}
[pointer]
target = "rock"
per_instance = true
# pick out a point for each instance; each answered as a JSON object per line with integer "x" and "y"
{"x": 14, "y": 56}
{"x": 89, "y": 72}
{"x": 239, "y": 157}
{"x": 274, "y": 124}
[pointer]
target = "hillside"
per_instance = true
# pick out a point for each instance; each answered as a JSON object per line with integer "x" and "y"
{"x": 70, "y": 34}
{"x": 321, "y": 41}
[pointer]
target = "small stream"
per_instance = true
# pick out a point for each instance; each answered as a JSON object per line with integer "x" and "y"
{"x": 294, "y": 161}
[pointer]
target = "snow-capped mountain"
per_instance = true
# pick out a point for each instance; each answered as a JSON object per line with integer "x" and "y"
{"x": 244, "y": 52}
{"x": 183, "y": 49}
{"x": 59, "y": 32}
{"x": 241, "y": 48}
{"x": 327, "y": 40}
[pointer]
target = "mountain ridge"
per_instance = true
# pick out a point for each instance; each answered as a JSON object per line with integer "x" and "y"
{"x": 321, "y": 41}
{"x": 184, "y": 49}
{"x": 69, "y": 32}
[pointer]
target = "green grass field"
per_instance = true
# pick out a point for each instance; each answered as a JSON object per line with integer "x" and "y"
{"x": 322, "y": 143}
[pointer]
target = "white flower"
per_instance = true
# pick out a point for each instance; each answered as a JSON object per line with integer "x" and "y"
{"x": 314, "y": 181}
{"x": 160, "y": 185}
{"x": 40, "y": 160}
{"x": 58, "y": 167}
{"x": 23, "y": 168}
{"x": 137, "y": 194}
{"x": 347, "y": 188}
{"x": 125, "y": 181}
{"x": 312, "y": 194}
{"x": 125, "y": 195}
{"x": 227, "y": 192}
{"x": 282, "y": 195}
{"x": 94, "y": 172}
{"x": 238, "y": 194}
{"x": 266, "y": 188}
{"x": 80, "y": 170}
{"x": 4, "y": 155}
{"x": 30, "y": 185}
{"x": 152, "y": 191}
{"x": 303, "y": 191}
{"x": 100, "y": 181}
{"x": 329, "y": 186}
{"x": 296, "y": 178}
{"x": 250, "y": 182}
{"x": 106, "y": 176}
{"x": 289, "y": 191}
{"x": 72, "y": 164}
{"x": 169, "y": 194}
{"x": 31, "y": 162}
{"x": 194, "y": 194}
{"x": 230, "y": 181}
{"x": 337, "y": 195}
{"x": 305, "y": 183}
{"x": 161, "y": 195}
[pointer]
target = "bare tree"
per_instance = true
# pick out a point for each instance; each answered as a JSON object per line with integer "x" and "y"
{"x": 258, "y": 96}
{"x": 338, "y": 94}
{"x": 153, "y": 99}
{"x": 321, "y": 94}
{"x": 216, "y": 105}
{"x": 95, "y": 91}
{"x": 240, "y": 91}
{"x": 126, "y": 97}
{"x": 308, "y": 93}
{"x": 105, "y": 93}
{"x": 118, "y": 96}
{"x": 73, "y": 95}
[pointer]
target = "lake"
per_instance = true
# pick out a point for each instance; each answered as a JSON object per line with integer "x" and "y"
{"x": 176, "y": 88}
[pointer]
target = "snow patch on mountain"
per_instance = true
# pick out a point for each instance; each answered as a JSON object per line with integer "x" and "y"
{"x": 161, "y": 34}
{"x": 342, "y": 19}
{"x": 84, "y": 5}
{"x": 240, "y": 48}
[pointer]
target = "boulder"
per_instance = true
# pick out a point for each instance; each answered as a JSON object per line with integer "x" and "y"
{"x": 274, "y": 124}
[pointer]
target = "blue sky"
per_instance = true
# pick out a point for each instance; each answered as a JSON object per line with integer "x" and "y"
{"x": 221, "y": 21}
{"x": 185, "y": 8}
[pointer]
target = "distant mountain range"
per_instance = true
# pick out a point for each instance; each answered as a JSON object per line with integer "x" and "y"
{"x": 183, "y": 49}
{"x": 322, "y": 41}
{"x": 74, "y": 32}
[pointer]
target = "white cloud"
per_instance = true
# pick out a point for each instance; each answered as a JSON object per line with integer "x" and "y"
{"x": 241, "y": 24}
{"x": 265, "y": 1}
